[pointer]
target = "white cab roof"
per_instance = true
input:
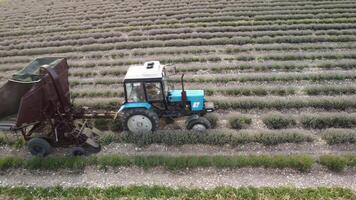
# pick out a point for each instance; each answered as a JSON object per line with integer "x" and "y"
{"x": 151, "y": 69}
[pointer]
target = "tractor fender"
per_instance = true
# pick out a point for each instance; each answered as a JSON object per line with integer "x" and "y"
{"x": 133, "y": 105}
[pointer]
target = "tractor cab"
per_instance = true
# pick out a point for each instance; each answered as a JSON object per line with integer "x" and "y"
{"x": 144, "y": 85}
{"x": 148, "y": 89}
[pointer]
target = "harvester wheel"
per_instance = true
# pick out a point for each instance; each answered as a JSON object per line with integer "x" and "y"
{"x": 198, "y": 124}
{"x": 78, "y": 151}
{"x": 140, "y": 120}
{"x": 39, "y": 147}
{"x": 91, "y": 146}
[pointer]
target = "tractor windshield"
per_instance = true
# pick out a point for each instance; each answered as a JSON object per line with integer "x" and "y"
{"x": 135, "y": 92}
{"x": 167, "y": 84}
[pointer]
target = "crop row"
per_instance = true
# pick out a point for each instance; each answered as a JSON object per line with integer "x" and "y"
{"x": 199, "y": 17}
{"x": 193, "y": 63}
{"x": 193, "y": 12}
{"x": 234, "y": 49}
{"x": 214, "y": 64}
{"x": 261, "y": 56}
{"x": 97, "y": 93}
{"x": 232, "y": 138}
{"x": 213, "y": 137}
{"x": 287, "y": 76}
{"x": 252, "y": 91}
{"x": 349, "y": 57}
{"x": 113, "y": 80}
{"x": 252, "y": 65}
{"x": 168, "y": 37}
{"x": 339, "y": 136}
{"x": 330, "y": 90}
{"x": 266, "y": 14}
{"x": 282, "y": 91}
{"x": 109, "y": 33}
{"x": 216, "y": 137}
{"x": 298, "y": 162}
{"x": 310, "y": 121}
{"x": 301, "y": 163}
{"x": 124, "y": 28}
{"x": 267, "y": 65}
{"x": 231, "y": 49}
{"x": 11, "y": 140}
{"x": 100, "y": 103}
{"x": 263, "y": 77}
{"x": 280, "y": 103}
{"x": 295, "y": 56}
{"x": 163, "y": 192}
{"x": 171, "y": 8}
{"x": 179, "y": 43}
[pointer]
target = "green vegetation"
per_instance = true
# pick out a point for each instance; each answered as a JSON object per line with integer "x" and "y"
{"x": 302, "y": 163}
{"x": 12, "y": 140}
{"x": 213, "y": 137}
{"x": 339, "y": 136}
{"x": 105, "y": 124}
{"x": 291, "y": 51}
{"x": 239, "y": 122}
{"x": 109, "y": 138}
{"x": 247, "y": 103}
{"x": 252, "y": 91}
{"x": 161, "y": 192}
{"x": 278, "y": 121}
{"x": 273, "y": 77}
{"x": 330, "y": 90}
{"x": 338, "y": 163}
{"x": 213, "y": 119}
{"x": 116, "y": 125}
{"x": 97, "y": 94}
{"x": 310, "y": 121}
{"x": 328, "y": 121}
{"x": 102, "y": 124}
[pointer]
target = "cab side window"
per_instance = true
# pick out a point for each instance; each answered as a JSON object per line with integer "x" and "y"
{"x": 135, "y": 92}
{"x": 154, "y": 91}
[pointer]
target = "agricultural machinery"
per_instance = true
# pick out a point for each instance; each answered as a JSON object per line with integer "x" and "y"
{"x": 149, "y": 96}
{"x": 36, "y": 102}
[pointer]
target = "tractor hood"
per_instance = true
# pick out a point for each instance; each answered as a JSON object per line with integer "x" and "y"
{"x": 195, "y": 97}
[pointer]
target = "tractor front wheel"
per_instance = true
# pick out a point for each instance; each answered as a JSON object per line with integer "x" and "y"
{"x": 198, "y": 124}
{"x": 140, "y": 121}
{"x": 39, "y": 147}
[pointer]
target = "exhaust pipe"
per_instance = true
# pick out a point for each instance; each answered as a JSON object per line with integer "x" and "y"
{"x": 184, "y": 93}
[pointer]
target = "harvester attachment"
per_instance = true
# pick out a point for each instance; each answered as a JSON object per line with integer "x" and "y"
{"x": 37, "y": 98}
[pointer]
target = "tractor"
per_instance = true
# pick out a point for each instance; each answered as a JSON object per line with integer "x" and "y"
{"x": 150, "y": 96}
{"x": 36, "y": 102}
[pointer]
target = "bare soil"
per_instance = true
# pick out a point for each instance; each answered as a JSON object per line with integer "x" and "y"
{"x": 202, "y": 178}
{"x": 288, "y": 148}
{"x": 317, "y": 148}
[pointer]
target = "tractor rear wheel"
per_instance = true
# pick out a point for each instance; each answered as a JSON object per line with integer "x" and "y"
{"x": 198, "y": 124}
{"x": 39, "y": 147}
{"x": 140, "y": 120}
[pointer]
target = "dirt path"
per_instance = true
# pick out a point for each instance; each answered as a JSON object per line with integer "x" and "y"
{"x": 202, "y": 178}
{"x": 199, "y": 149}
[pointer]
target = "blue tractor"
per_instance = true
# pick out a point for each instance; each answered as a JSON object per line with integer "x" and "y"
{"x": 149, "y": 96}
